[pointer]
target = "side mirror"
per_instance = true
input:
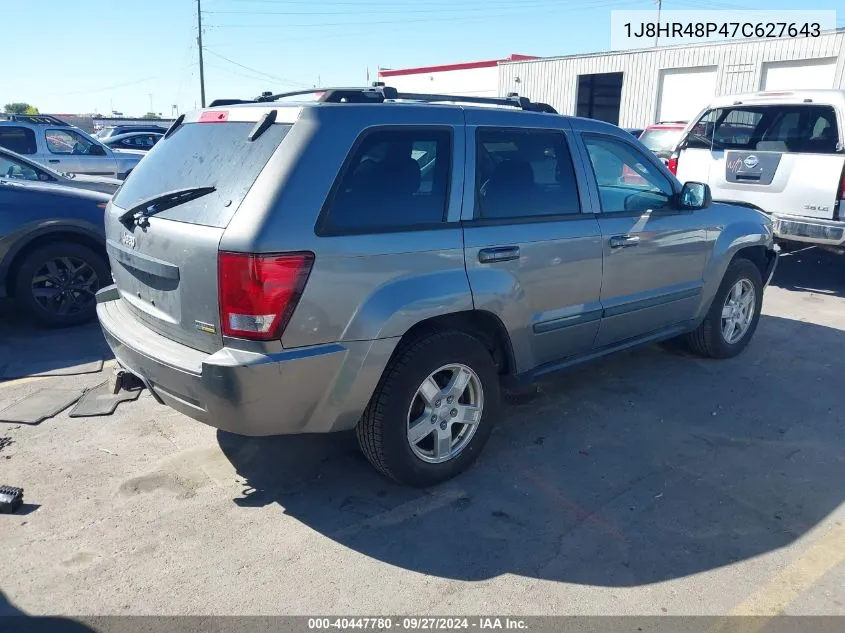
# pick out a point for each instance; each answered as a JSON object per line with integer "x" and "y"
{"x": 97, "y": 150}
{"x": 696, "y": 195}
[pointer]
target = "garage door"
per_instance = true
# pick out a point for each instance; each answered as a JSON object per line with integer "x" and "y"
{"x": 797, "y": 75}
{"x": 684, "y": 92}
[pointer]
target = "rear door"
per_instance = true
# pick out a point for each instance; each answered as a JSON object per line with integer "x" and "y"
{"x": 166, "y": 271}
{"x": 532, "y": 246}
{"x": 784, "y": 159}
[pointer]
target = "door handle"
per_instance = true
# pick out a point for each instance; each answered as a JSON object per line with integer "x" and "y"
{"x": 498, "y": 254}
{"x": 624, "y": 241}
{"x": 54, "y": 160}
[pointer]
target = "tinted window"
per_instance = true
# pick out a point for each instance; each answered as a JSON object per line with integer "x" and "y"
{"x": 393, "y": 179}
{"x": 523, "y": 174}
{"x": 627, "y": 181}
{"x": 201, "y": 155}
{"x": 67, "y": 142}
{"x": 779, "y": 128}
{"x": 20, "y": 140}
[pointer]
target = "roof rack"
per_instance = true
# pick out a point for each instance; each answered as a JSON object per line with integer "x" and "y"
{"x": 42, "y": 119}
{"x": 379, "y": 93}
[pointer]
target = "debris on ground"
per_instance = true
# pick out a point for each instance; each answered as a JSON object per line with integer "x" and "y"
{"x": 40, "y": 405}
{"x": 10, "y": 499}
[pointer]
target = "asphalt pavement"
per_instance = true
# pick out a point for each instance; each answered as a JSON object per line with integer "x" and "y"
{"x": 649, "y": 483}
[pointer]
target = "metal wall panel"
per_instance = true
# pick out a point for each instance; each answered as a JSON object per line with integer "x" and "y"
{"x": 555, "y": 80}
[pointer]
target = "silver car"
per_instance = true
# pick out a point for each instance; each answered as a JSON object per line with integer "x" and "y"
{"x": 65, "y": 148}
{"x": 16, "y": 167}
{"x": 391, "y": 267}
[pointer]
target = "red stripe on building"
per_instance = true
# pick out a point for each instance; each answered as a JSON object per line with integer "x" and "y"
{"x": 445, "y": 67}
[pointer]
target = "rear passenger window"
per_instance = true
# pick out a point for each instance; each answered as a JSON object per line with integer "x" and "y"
{"x": 394, "y": 179}
{"x": 524, "y": 174}
{"x": 18, "y": 139}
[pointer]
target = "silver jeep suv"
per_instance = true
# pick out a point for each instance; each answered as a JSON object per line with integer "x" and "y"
{"x": 388, "y": 263}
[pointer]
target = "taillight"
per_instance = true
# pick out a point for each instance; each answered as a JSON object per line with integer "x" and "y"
{"x": 258, "y": 293}
{"x": 672, "y": 163}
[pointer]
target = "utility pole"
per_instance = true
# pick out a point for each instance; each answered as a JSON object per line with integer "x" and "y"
{"x": 199, "y": 46}
{"x": 656, "y": 33}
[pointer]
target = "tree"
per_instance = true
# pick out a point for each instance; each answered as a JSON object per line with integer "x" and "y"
{"x": 150, "y": 115}
{"x": 19, "y": 108}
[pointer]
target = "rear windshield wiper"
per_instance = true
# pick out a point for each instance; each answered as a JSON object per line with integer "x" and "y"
{"x": 140, "y": 212}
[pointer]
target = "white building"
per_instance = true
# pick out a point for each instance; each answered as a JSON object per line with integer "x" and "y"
{"x": 637, "y": 87}
{"x": 479, "y": 79}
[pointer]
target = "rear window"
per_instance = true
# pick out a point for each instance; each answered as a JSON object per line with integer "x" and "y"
{"x": 795, "y": 128}
{"x": 202, "y": 155}
{"x": 18, "y": 139}
{"x": 661, "y": 140}
{"x": 394, "y": 180}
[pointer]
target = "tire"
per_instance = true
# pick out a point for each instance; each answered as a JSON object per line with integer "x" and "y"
{"x": 36, "y": 284}
{"x": 384, "y": 428}
{"x": 708, "y": 339}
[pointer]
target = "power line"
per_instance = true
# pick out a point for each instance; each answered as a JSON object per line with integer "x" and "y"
{"x": 450, "y": 8}
{"x": 259, "y": 72}
{"x": 368, "y": 23}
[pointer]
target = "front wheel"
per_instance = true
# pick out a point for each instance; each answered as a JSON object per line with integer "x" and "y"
{"x": 733, "y": 316}
{"x": 433, "y": 410}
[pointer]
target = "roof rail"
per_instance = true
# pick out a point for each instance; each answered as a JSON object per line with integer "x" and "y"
{"x": 379, "y": 93}
{"x": 44, "y": 119}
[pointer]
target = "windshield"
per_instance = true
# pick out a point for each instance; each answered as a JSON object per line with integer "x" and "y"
{"x": 661, "y": 140}
{"x": 202, "y": 155}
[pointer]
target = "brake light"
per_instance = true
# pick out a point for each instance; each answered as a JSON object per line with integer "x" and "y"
{"x": 258, "y": 293}
{"x": 672, "y": 164}
{"x": 214, "y": 116}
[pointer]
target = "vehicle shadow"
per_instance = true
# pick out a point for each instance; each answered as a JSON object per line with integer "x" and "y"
{"x": 14, "y": 620}
{"x": 642, "y": 468}
{"x": 811, "y": 270}
{"x": 26, "y": 349}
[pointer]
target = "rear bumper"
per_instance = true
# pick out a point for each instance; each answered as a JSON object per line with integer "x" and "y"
{"x": 316, "y": 389}
{"x": 809, "y": 230}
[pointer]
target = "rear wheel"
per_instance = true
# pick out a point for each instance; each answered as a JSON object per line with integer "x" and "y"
{"x": 733, "y": 316}
{"x": 433, "y": 410}
{"x": 56, "y": 284}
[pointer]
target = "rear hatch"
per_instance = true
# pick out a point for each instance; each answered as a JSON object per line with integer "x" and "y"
{"x": 186, "y": 190}
{"x": 784, "y": 158}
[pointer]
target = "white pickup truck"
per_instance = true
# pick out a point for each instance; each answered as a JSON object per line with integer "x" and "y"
{"x": 781, "y": 152}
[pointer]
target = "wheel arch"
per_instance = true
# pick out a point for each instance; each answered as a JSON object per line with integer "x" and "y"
{"x": 482, "y": 324}
{"x": 35, "y": 240}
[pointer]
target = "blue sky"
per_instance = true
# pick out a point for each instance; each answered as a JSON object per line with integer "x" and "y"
{"x": 73, "y": 56}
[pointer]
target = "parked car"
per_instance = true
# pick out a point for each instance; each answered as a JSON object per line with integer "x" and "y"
{"x": 65, "y": 148}
{"x": 326, "y": 279}
{"x": 116, "y": 130}
{"x": 781, "y": 152}
{"x": 141, "y": 141}
{"x": 16, "y": 167}
{"x": 662, "y": 138}
{"x": 633, "y": 131}
{"x": 52, "y": 250}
